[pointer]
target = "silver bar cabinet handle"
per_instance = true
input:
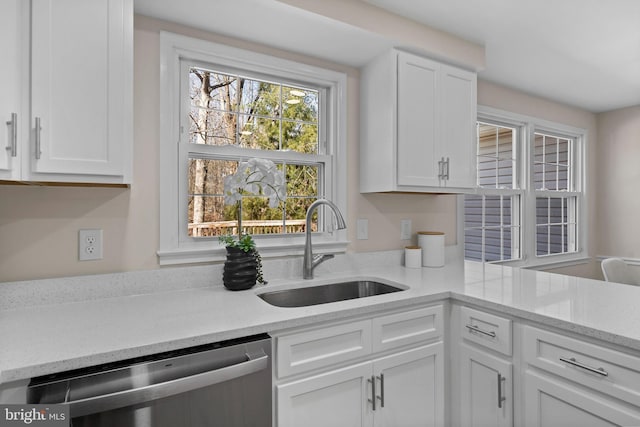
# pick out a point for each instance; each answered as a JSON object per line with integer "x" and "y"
{"x": 372, "y": 381}
{"x": 13, "y": 143}
{"x": 105, "y": 402}
{"x": 381, "y": 397}
{"x": 38, "y": 131}
{"x": 474, "y": 328}
{"x": 446, "y": 174}
{"x": 574, "y": 362}
{"x": 440, "y": 171}
{"x": 501, "y": 398}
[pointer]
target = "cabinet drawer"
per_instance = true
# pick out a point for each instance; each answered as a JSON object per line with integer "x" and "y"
{"x": 409, "y": 327}
{"x": 314, "y": 349}
{"x": 608, "y": 371}
{"x": 485, "y": 329}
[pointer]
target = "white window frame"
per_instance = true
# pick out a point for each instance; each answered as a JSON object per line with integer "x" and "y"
{"x": 528, "y": 126}
{"x": 176, "y": 247}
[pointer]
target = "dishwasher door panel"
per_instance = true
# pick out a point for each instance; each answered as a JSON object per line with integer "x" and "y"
{"x": 225, "y": 384}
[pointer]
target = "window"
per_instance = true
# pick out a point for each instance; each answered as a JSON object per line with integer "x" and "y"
{"x": 556, "y": 198}
{"x": 224, "y": 105}
{"x": 262, "y": 119}
{"x": 527, "y": 209}
{"x": 491, "y": 217}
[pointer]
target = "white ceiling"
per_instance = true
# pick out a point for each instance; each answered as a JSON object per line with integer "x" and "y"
{"x": 579, "y": 52}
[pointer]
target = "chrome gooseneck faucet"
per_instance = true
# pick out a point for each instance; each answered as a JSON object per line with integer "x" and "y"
{"x": 310, "y": 262}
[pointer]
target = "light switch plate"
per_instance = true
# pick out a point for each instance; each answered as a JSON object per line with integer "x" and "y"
{"x": 405, "y": 229}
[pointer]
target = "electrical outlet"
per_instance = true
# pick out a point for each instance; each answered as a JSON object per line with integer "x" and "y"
{"x": 362, "y": 230}
{"x": 90, "y": 244}
{"x": 405, "y": 229}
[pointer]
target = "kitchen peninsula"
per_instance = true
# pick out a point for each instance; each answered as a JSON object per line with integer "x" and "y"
{"x": 125, "y": 315}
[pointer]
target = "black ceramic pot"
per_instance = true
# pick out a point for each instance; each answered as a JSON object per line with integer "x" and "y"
{"x": 240, "y": 269}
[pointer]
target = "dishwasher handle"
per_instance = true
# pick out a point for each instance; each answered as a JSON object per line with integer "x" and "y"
{"x": 107, "y": 402}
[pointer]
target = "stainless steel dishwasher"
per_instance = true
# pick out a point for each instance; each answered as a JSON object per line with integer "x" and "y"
{"x": 226, "y": 384}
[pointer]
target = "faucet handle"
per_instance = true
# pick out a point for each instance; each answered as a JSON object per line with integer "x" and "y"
{"x": 320, "y": 258}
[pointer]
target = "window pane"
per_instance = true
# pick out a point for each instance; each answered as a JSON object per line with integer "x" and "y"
{"x": 302, "y": 180}
{"x": 259, "y": 98}
{"x": 496, "y": 156}
{"x": 207, "y": 176}
{"x": 214, "y": 217}
{"x": 212, "y": 127}
{"x": 492, "y": 232}
{"x": 296, "y": 211}
{"x": 552, "y": 163}
{"x": 300, "y": 104}
{"x": 300, "y": 137}
{"x": 555, "y": 231}
{"x": 259, "y": 133}
{"x": 209, "y": 216}
{"x": 250, "y": 113}
{"x": 211, "y": 90}
{"x": 550, "y": 177}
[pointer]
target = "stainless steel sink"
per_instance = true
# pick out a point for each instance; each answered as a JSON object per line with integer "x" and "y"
{"x": 322, "y": 294}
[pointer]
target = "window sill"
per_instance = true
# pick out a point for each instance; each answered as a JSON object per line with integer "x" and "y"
{"x": 549, "y": 264}
{"x": 217, "y": 253}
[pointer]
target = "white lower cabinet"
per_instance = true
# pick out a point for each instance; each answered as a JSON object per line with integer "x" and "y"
{"x": 510, "y": 373}
{"x": 486, "y": 390}
{"x": 410, "y": 388}
{"x": 376, "y": 384}
{"x": 483, "y": 389}
{"x": 393, "y": 370}
{"x": 403, "y": 389}
{"x": 569, "y": 382}
{"x": 335, "y": 398}
{"x": 555, "y": 402}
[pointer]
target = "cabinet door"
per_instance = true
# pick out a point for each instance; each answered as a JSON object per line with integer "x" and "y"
{"x": 459, "y": 115}
{"x": 410, "y": 388}
{"x": 334, "y": 399}
{"x": 417, "y": 121}
{"x": 557, "y": 403}
{"x": 485, "y": 389}
{"x": 11, "y": 83}
{"x": 80, "y": 77}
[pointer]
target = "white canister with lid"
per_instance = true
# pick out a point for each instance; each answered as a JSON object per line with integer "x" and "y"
{"x": 432, "y": 244}
{"x": 412, "y": 257}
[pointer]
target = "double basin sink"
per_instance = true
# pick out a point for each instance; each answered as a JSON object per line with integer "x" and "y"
{"x": 323, "y": 294}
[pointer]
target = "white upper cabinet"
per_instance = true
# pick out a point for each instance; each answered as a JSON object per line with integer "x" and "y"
{"x": 12, "y": 13}
{"x": 418, "y": 126}
{"x": 459, "y": 107}
{"x": 78, "y": 126}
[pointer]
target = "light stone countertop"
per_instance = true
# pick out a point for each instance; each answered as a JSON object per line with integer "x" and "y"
{"x": 43, "y": 339}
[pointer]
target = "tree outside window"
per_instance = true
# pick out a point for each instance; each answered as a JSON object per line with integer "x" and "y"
{"x": 256, "y": 117}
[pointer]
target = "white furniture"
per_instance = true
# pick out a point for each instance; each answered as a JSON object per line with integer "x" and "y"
{"x": 570, "y": 382}
{"x": 506, "y": 372}
{"x": 382, "y": 371}
{"x": 616, "y": 270}
{"x": 12, "y": 14}
{"x": 483, "y": 343}
{"x": 418, "y": 125}
{"x": 69, "y": 91}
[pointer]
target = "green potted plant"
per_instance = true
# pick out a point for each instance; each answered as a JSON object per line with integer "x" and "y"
{"x": 243, "y": 267}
